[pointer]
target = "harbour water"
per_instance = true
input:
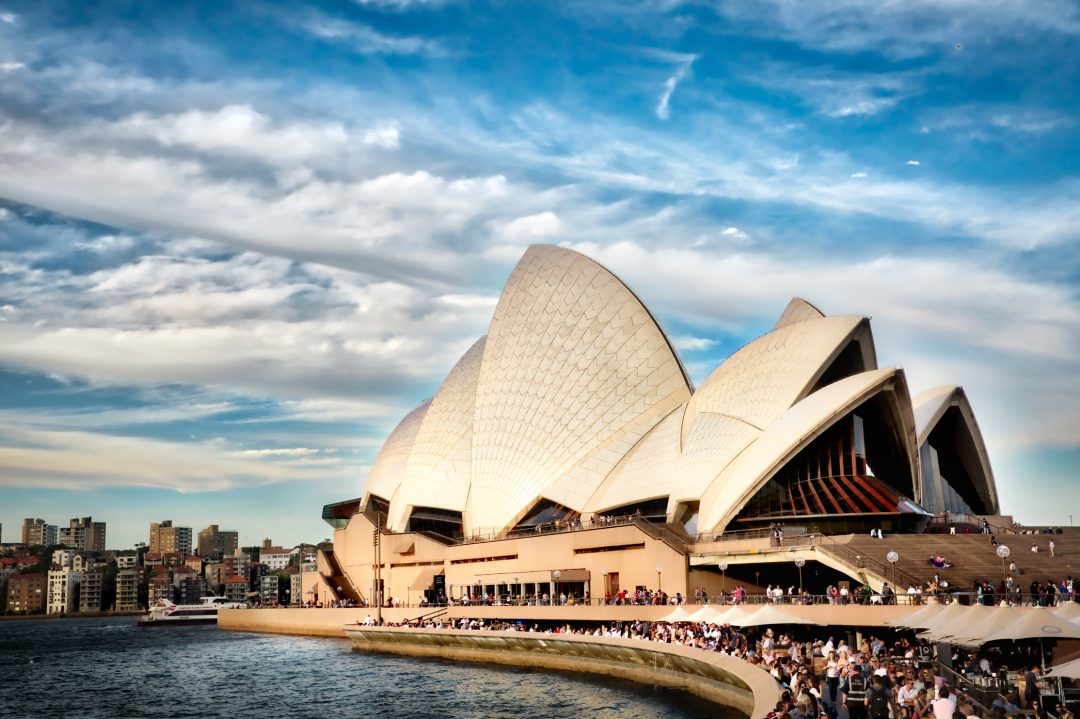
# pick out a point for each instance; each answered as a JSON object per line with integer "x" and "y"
{"x": 108, "y": 667}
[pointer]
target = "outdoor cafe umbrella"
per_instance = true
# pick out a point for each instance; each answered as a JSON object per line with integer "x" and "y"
{"x": 1037, "y": 623}
{"x": 708, "y": 614}
{"x": 679, "y": 614}
{"x": 945, "y": 618}
{"x": 1069, "y": 610}
{"x": 916, "y": 618}
{"x": 770, "y": 614}
{"x": 972, "y": 634}
{"x": 941, "y": 631}
{"x": 1068, "y": 670}
{"x": 734, "y": 615}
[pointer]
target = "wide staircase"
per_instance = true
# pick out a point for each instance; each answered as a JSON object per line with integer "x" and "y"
{"x": 672, "y": 534}
{"x": 972, "y": 556}
{"x": 338, "y": 582}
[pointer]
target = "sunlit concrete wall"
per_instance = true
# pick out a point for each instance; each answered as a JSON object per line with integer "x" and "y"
{"x": 715, "y": 677}
{"x": 409, "y": 559}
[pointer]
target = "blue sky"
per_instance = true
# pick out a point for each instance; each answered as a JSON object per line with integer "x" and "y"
{"x": 238, "y": 243}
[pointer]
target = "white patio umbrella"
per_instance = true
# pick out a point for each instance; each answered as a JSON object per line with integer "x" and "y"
{"x": 1069, "y": 610}
{"x": 971, "y": 615}
{"x": 951, "y": 613}
{"x": 1037, "y": 623}
{"x": 734, "y": 615}
{"x": 770, "y": 614}
{"x": 974, "y": 634}
{"x": 1068, "y": 670}
{"x": 679, "y": 614}
{"x": 707, "y": 614}
{"x": 916, "y": 618}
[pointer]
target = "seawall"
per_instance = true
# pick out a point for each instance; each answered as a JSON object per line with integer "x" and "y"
{"x": 717, "y": 678}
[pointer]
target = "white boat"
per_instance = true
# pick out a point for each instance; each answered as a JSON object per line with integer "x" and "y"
{"x": 205, "y": 612}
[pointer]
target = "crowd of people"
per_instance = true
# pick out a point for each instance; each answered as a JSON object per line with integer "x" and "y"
{"x": 822, "y": 678}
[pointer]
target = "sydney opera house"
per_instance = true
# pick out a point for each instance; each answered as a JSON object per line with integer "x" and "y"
{"x": 568, "y": 451}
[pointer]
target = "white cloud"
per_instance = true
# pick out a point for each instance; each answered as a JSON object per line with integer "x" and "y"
{"x": 11, "y": 66}
{"x": 687, "y": 343}
{"x": 277, "y": 452}
{"x": 89, "y": 460}
{"x": 663, "y": 109}
{"x": 912, "y": 162}
{"x": 240, "y": 129}
{"x": 529, "y": 229}
{"x": 387, "y": 138}
{"x": 369, "y": 41}
{"x": 8, "y": 17}
{"x": 858, "y": 175}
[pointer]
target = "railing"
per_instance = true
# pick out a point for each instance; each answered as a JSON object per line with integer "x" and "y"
{"x": 661, "y": 533}
{"x": 857, "y": 561}
{"x": 973, "y": 690}
{"x": 947, "y": 519}
{"x": 791, "y": 533}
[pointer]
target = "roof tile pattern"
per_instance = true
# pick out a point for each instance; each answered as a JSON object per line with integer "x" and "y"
{"x": 763, "y": 379}
{"x": 576, "y": 396}
{"x": 573, "y": 361}
{"x": 389, "y": 467}
{"x": 439, "y": 465}
{"x": 798, "y": 427}
{"x": 796, "y": 311}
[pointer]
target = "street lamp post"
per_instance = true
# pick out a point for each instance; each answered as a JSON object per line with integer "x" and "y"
{"x": 521, "y": 594}
{"x": 800, "y": 563}
{"x": 1003, "y": 552}
{"x": 555, "y": 593}
{"x": 893, "y": 558}
{"x": 723, "y": 572}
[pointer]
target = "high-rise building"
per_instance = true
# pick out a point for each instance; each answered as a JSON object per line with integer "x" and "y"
{"x": 127, "y": 590}
{"x": 83, "y": 533}
{"x": 63, "y": 591}
{"x": 215, "y": 544}
{"x": 164, "y": 537}
{"x": 90, "y": 592}
{"x": 38, "y": 532}
{"x": 27, "y": 594}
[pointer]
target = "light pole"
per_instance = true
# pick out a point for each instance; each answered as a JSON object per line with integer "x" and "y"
{"x": 723, "y": 572}
{"x": 893, "y": 558}
{"x": 607, "y": 586}
{"x": 1003, "y": 552}
{"x": 800, "y": 563}
{"x": 555, "y": 593}
{"x": 521, "y": 594}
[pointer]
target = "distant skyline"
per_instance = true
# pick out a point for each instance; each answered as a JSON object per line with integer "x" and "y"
{"x": 239, "y": 243}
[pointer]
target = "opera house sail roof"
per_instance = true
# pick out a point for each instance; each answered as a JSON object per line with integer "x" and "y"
{"x": 575, "y": 404}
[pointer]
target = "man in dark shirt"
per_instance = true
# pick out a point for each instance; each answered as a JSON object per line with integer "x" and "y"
{"x": 1031, "y": 688}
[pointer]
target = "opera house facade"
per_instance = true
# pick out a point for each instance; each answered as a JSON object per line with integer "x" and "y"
{"x": 568, "y": 450}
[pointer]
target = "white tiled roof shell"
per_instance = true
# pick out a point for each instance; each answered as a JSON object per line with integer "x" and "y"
{"x": 930, "y": 406}
{"x": 389, "y": 467}
{"x": 439, "y": 465}
{"x": 746, "y": 393}
{"x": 784, "y": 438}
{"x": 763, "y": 379}
{"x": 647, "y": 471}
{"x": 574, "y": 366}
{"x": 796, "y": 311}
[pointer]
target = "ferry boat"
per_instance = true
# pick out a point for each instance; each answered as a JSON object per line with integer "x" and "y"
{"x": 166, "y": 613}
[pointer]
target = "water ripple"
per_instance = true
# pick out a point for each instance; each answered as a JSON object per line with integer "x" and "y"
{"x": 108, "y": 667}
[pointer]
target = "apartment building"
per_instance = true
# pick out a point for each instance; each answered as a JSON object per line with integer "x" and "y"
{"x": 63, "y": 591}
{"x": 215, "y": 544}
{"x": 164, "y": 537}
{"x": 27, "y": 594}
{"x": 127, "y": 590}
{"x": 83, "y": 533}
{"x": 90, "y": 591}
{"x": 38, "y": 532}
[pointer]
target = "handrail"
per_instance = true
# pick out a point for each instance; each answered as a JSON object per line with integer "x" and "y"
{"x": 949, "y": 518}
{"x": 860, "y": 561}
{"x": 661, "y": 533}
{"x": 969, "y": 688}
